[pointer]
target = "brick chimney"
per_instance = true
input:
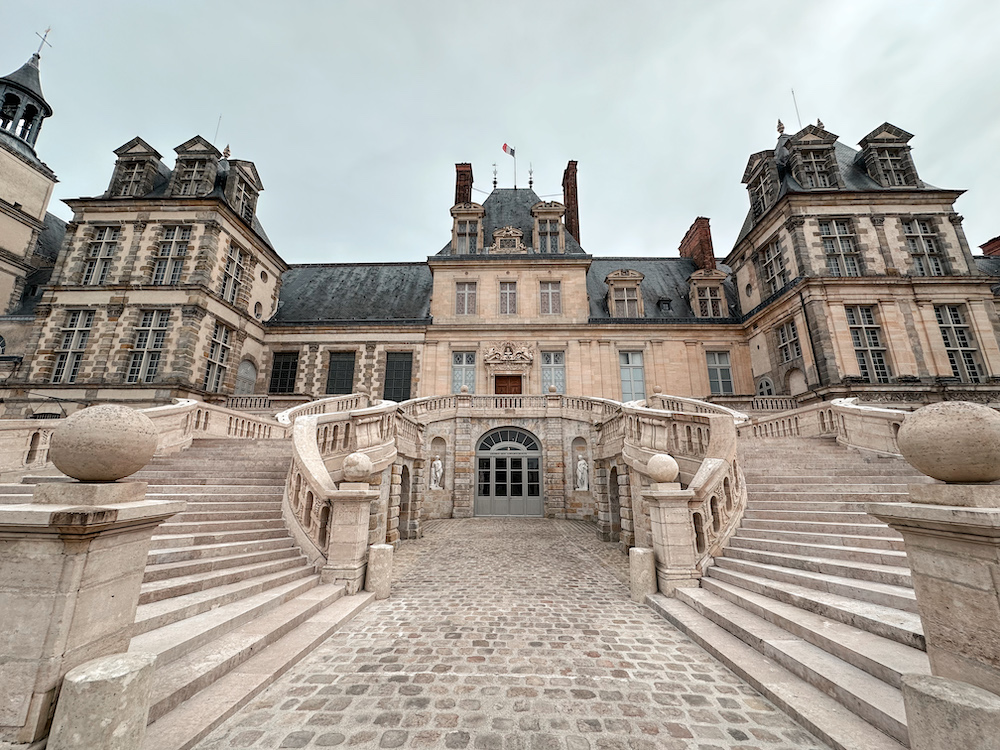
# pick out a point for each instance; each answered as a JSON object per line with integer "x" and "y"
{"x": 463, "y": 183}
{"x": 697, "y": 244}
{"x": 570, "y": 199}
{"x": 992, "y": 247}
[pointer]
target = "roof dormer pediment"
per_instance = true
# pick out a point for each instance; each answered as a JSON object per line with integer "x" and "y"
{"x": 248, "y": 171}
{"x": 197, "y": 146}
{"x": 885, "y": 133}
{"x": 813, "y": 135}
{"x": 137, "y": 147}
{"x": 623, "y": 274}
{"x": 755, "y": 162}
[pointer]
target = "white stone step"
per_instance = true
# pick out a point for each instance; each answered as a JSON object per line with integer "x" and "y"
{"x": 180, "y": 569}
{"x": 822, "y": 527}
{"x": 847, "y": 540}
{"x": 223, "y": 549}
{"x": 178, "y": 540}
{"x": 892, "y": 575}
{"x": 157, "y": 590}
{"x": 894, "y": 558}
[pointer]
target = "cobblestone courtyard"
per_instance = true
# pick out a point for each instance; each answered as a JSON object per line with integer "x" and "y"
{"x": 503, "y": 635}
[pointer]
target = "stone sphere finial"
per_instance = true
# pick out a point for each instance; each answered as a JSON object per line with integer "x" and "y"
{"x": 464, "y": 389}
{"x": 954, "y": 441}
{"x": 103, "y": 443}
{"x": 663, "y": 468}
{"x": 552, "y": 389}
{"x": 357, "y": 467}
{"x": 657, "y": 390}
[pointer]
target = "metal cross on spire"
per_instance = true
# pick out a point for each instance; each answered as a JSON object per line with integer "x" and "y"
{"x": 45, "y": 40}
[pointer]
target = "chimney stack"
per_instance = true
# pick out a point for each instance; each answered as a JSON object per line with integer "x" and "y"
{"x": 992, "y": 247}
{"x": 697, "y": 245}
{"x": 570, "y": 199}
{"x": 463, "y": 183}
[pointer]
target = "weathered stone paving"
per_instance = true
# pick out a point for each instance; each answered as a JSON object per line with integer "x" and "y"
{"x": 510, "y": 635}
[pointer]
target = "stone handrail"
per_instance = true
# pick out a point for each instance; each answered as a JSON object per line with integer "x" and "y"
{"x": 320, "y": 443}
{"x": 325, "y": 406}
{"x": 682, "y": 404}
{"x": 248, "y": 402}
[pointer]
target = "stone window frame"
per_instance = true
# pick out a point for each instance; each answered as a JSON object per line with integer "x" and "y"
{"x": 624, "y": 278}
{"x": 406, "y": 387}
{"x": 868, "y": 340}
{"x": 100, "y": 254}
{"x": 463, "y": 370}
{"x": 720, "y": 372}
{"x": 787, "y": 342}
{"x": 765, "y": 387}
{"x": 233, "y": 272}
{"x": 840, "y": 248}
{"x": 507, "y": 298}
{"x": 711, "y": 301}
{"x": 284, "y": 372}
{"x": 130, "y": 177}
{"x": 467, "y": 236}
{"x": 170, "y": 254}
{"x": 244, "y": 199}
{"x": 894, "y": 166}
{"x": 627, "y": 362}
{"x": 72, "y": 345}
{"x": 192, "y": 173}
{"x": 471, "y": 216}
{"x": 552, "y": 364}
{"x": 219, "y": 348}
{"x": 466, "y": 293}
{"x": 550, "y": 297}
{"x": 960, "y": 343}
{"x": 148, "y": 346}
{"x": 813, "y": 168}
{"x": 924, "y": 246}
{"x": 339, "y": 355}
{"x": 548, "y": 230}
{"x": 771, "y": 264}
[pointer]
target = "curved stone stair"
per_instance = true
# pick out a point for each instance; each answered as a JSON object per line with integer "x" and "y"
{"x": 811, "y": 600}
{"x": 227, "y": 603}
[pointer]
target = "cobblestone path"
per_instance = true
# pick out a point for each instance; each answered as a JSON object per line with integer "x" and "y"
{"x": 510, "y": 635}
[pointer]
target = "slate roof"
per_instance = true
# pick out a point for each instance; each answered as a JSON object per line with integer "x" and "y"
{"x": 511, "y": 207}
{"x": 26, "y": 78}
{"x": 359, "y": 293}
{"x": 36, "y": 280}
{"x": 988, "y": 264}
{"x": 50, "y": 239}
{"x": 664, "y": 279}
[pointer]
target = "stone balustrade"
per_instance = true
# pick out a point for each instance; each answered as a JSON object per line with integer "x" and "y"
{"x": 329, "y": 405}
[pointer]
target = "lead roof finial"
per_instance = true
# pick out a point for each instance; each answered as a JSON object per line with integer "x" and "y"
{"x": 225, "y": 152}
{"x": 819, "y": 124}
{"x": 494, "y": 175}
{"x": 530, "y": 176}
{"x": 781, "y": 127}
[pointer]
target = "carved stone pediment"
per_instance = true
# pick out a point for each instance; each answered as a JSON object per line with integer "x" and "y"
{"x": 508, "y": 241}
{"x": 508, "y": 356}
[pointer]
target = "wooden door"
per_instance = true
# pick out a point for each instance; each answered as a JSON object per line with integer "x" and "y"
{"x": 508, "y": 385}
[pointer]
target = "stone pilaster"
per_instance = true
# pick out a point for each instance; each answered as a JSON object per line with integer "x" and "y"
{"x": 347, "y": 550}
{"x": 673, "y": 536}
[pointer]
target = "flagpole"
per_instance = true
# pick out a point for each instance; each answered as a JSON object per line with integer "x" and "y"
{"x": 515, "y": 170}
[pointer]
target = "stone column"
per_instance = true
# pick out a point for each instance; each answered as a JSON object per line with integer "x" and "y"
{"x": 672, "y": 530}
{"x": 350, "y": 508}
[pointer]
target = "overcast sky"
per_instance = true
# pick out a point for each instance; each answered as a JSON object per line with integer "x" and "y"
{"x": 356, "y": 112}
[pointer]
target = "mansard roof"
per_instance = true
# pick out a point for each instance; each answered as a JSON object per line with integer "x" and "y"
{"x": 355, "y": 294}
{"x": 26, "y": 78}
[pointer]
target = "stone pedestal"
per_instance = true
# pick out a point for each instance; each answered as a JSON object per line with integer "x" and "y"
{"x": 642, "y": 573}
{"x": 942, "y": 713}
{"x": 72, "y": 562}
{"x": 347, "y": 550}
{"x": 104, "y": 704}
{"x": 953, "y": 548}
{"x": 379, "y": 576}
{"x": 673, "y": 536}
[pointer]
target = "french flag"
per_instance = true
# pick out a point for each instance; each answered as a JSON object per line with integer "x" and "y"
{"x": 508, "y": 149}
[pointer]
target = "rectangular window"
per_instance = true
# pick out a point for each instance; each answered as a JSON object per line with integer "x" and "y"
{"x": 284, "y": 370}
{"x": 218, "y": 358}
{"x": 866, "y": 335}
{"x": 554, "y": 371}
{"x": 508, "y": 298}
{"x": 100, "y": 253}
{"x": 168, "y": 263}
{"x": 761, "y": 193}
{"x": 720, "y": 375}
{"x": 551, "y": 303}
{"x": 548, "y": 236}
{"x": 468, "y": 237}
{"x": 772, "y": 266}
{"x": 633, "y": 379}
{"x": 463, "y": 371}
{"x": 130, "y": 178}
{"x": 192, "y": 174}
{"x": 841, "y": 247}
{"x": 465, "y": 298}
{"x": 815, "y": 172}
{"x": 147, "y": 350}
{"x": 72, "y": 345}
{"x": 626, "y": 302}
{"x": 398, "y": 374}
{"x": 709, "y": 302}
{"x": 232, "y": 274}
{"x": 246, "y": 201}
{"x": 963, "y": 355}
{"x": 925, "y": 250}
{"x": 340, "y": 379}
{"x": 788, "y": 342}
{"x": 893, "y": 165}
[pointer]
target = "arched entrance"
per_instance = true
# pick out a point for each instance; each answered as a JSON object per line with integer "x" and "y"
{"x": 246, "y": 379}
{"x": 508, "y": 474}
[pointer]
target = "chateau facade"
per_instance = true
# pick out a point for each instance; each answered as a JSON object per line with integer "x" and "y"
{"x": 851, "y": 276}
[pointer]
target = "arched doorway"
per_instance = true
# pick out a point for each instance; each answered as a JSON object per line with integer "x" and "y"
{"x": 614, "y": 505}
{"x": 246, "y": 379}
{"x": 508, "y": 474}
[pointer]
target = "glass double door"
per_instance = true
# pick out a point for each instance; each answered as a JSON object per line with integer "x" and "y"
{"x": 508, "y": 484}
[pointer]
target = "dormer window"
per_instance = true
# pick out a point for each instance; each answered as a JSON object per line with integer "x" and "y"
{"x": 191, "y": 177}
{"x": 887, "y": 157}
{"x": 761, "y": 193}
{"x": 467, "y": 228}
{"x": 814, "y": 170}
{"x": 130, "y": 178}
{"x": 467, "y": 233}
{"x": 709, "y": 302}
{"x": 892, "y": 165}
{"x": 708, "y": 299}
{"x": 548, "y": 236}
{"x": 624, "y": 296}
{"x": 138, "y": 163}
{"x": 245, "y": 200}
{"x": 548, "y": 230}
{"x": 772, "y": 267}
{"x": 812, "y": 158}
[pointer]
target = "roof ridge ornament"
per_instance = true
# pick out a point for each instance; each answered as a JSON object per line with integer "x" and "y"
{"x": 45, "y": 40}
{"x": 819, "y": 124}
{"x": 781, "y": 127}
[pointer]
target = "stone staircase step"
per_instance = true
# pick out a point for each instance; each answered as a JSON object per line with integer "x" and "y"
{"x": 200, "y": 552}
{"x": 214, "y": 481}
{"x": 857, "y": 529}
{"x": 804, "y": 504}
{"x": 215, "y": 505}
{"x": 180, "y": 569}
{"x": 825, "y": 537}
{"x": 834, "y": 497}
{"x": 209, "y": 527}
{"x": 856, "y": 516}
{"x": 821, "y": 714}
{"x": 166, "y": 611}
{"x": 873, "y": 572}
{"x": 172, "y": 541}
{"x": 827, "y": 486}
{"x": 880, "y": 657}
{"x": 836, "y": 478}
{"x": 889, "y": 622}
{"x": 157, "y": 590}
{"x": 216, "y": 489}
{"x": 895, "y": 558}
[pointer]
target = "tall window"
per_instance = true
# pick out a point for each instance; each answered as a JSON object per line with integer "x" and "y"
{"x": 508, "y": 297}
{"x": 218, "y": 358}
{"x": 284, "y": 370}
{"x": 548, "y": 236}
{"x": 788, "y": 342}
{"x": 246, "y": 200}
{"x": 959, "y": 343}
{"x": 815, "y": 172}
{"x": 398, "y": 374}
{"x": 866, "y": 335}
{"x": 168, "y": 264}
{"x": 465, "y": 298}
{"x": 892, "y": 162}
{"x": 340, "y": 379}
{"x": 633, "y": 379}
{"x": 554, "y": 371}
{"x": 72, "y": 345}
{"x": 468, "y": 237}
{"x": 192, "y": 174}
{"x": 840, "y": 246}
{"x": 232, "y": 274}
{"x": 720, "y": 375}
{"x": 150, "y": 339}
{"x": 130, "y": 177}
{"x": 709, "y": 302}
{"x": 772, "y": 266}
{"x": 626, "y": 300}
{"x": 463, "y": 371}
{"x": 761, "y": 192}
{"x": 551, "y": 303}
{"x": 100, "y": 253}
{"x": 925, "y": 250}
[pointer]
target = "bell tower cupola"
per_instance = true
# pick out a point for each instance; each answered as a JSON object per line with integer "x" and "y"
{"x": 22, "y": 106}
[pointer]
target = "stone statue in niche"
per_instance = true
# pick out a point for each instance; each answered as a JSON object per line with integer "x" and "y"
{"x": 582, "y": 474}
{"x": 437, "y": 473}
